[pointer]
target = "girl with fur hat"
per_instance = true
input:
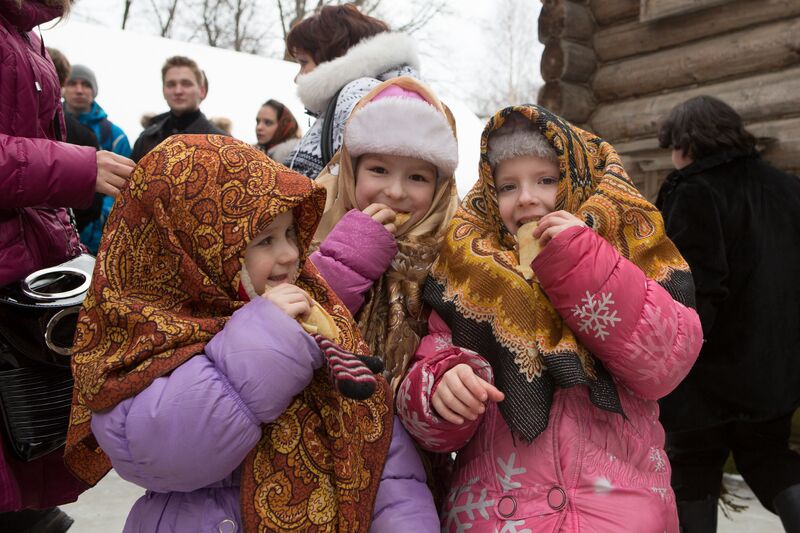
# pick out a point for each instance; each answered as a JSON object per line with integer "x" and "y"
{"x": 547, "y": 387}
{"x": 198, "y": 377}
{"x": 391, "y": 193}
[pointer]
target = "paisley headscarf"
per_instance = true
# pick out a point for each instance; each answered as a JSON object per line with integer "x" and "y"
{"x": 166, "y": 281}
{"x": 493, "y": 310}
{"x": 391, "y": 319}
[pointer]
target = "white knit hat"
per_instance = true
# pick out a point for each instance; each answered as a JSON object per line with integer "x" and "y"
{"x": 517, "y": 137}
{"x": 399, "y": 121}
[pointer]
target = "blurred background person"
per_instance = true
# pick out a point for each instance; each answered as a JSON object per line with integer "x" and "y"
{"x": 185, "y": 87}
{"x": 223, "y": 123}
{"x": 277, "y": 132}
{"x": 80, "y": 101}
{"x": 734, "y": 217}
{"x": 81, "y": 135}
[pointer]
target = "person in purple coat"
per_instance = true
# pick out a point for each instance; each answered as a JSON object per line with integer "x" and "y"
{"x": 40, "y": 179}
{"x": 195, "y": 378}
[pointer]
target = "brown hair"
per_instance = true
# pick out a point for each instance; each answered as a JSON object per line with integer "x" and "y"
{"x": 702, "y": 126}
{"x": 61, "y": 63}
{"x": 332, "y": 31}
{"x": 182, "y": 61}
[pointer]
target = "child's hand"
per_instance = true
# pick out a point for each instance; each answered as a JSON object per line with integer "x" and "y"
{"x": 383, "y": 214}
{"x": 461, "y": 394}
{"x": 291, "y": 299}
{"x": 554, "y": 223}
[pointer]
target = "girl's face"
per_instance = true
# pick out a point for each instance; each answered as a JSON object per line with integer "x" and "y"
{"x": 266, "y": 124}
{"x": 306, "y": 62}
{"x": 405, "y": 184}
{"x": 273, "y": 256}
{"x": 526, "y": 189}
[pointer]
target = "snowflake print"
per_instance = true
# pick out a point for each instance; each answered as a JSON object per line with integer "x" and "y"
{"x": 441, "y": 342}
{"x": 659, "y": 464}
{"x": 509, "y": 471}
{"x": 511, "y": 527}
{"x": 471, "y": 507}
{"x": 595, "y": 315}
{"x": 662, "y": 492}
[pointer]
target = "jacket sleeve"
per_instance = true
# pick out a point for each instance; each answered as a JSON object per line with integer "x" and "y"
{"x": 645, "y": 338}
{"x": 692, "y": 206}
{"x": 353, "y": 256}
{"x": 194, "y": 426}
{"x": 37, "y": 172}
{"x": 436, "y": 355}
{"x": 121, "y": 145}
{"x": 404, "y": 502}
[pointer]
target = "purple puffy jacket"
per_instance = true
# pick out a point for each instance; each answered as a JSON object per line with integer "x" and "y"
{"x": 184, "y": 437}
{"x": 38, "y": 177}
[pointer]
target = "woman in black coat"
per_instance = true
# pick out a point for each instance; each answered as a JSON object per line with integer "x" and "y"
{"x": 736, "y": 220}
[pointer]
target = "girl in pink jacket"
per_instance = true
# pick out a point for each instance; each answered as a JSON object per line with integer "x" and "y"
{"x": 547, "y": 387}
{"x": 391, "y": 194}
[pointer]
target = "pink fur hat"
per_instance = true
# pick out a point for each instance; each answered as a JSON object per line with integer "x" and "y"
{"x": 398, "y": 121}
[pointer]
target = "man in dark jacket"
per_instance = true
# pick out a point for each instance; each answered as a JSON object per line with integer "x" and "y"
{"x": 735, "y": 219}
{"x": 185, "y": 87}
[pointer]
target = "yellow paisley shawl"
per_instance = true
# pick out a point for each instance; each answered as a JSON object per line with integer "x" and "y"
{"x": 493, "y": 310}
{"x": 166, "y": 281}
{"x": 392, "y": 320}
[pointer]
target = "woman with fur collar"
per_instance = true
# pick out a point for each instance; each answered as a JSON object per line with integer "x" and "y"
{"x": 341, "y": 51}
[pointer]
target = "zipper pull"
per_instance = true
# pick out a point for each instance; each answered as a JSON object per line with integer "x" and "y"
{"x": 38, "y": 86}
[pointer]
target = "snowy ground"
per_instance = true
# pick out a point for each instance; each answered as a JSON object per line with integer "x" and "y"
{"x": 103, "y": 509}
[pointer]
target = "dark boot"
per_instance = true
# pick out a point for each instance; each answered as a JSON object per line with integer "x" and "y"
{"x": 787, "y": 505}
{"x": 699, "y": 516}
{"x": 52, "y": 520}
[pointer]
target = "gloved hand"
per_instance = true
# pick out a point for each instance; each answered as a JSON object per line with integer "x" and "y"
{"x": 353, "y": 375}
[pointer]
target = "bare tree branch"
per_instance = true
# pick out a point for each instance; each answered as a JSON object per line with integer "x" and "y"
{"x": 126, "y": 13}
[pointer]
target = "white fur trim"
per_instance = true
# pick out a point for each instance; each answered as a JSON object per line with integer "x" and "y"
{"x": 369, "y": 58}
{"x": 247, "y": 284}
{"x": 281, "y": 151}
{"x": 400, "y": 126}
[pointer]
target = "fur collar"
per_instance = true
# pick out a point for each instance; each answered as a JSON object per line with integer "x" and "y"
{"x": 369, "y": 58}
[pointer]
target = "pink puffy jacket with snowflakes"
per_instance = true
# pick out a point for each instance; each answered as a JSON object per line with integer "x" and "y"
{"x": 591, "y": 470}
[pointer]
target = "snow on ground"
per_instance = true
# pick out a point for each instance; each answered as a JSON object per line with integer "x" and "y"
{"x": 128, "y": 69}
{"x": 103, "y": 509}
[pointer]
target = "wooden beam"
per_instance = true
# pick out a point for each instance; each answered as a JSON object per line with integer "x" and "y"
{"x": 565, "y": 19}
{"x": 765, "y": 96}
{"x": 573, "y": 102}
{"x": 659, "y": 9}
{"x": 633, "y": 38}
{"x": 567, "y": 61}
{"x": 767, "y": 47}
{"x": 608, "y": 12}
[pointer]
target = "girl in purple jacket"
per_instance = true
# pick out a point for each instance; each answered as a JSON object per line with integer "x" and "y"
{"x": 545, "y": 380}
{"x": 391, "y": 194}
{"x": 193, "y": 385}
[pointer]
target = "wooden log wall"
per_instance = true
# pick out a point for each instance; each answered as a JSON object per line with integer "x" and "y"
{"x": 617, "y": 67}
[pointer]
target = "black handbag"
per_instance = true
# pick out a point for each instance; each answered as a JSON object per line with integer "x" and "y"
{"x": 38, "y": 317}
